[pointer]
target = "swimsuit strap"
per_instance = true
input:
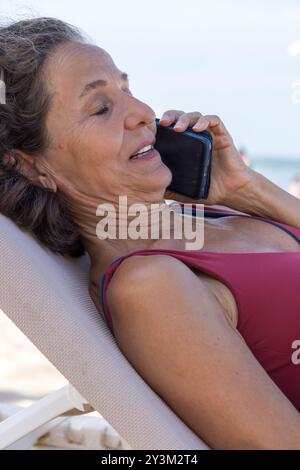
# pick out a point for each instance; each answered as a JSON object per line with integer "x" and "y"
{"x": 215, "y": 213}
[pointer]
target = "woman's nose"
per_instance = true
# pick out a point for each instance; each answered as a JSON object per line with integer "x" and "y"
{"x": 139, "y": 114}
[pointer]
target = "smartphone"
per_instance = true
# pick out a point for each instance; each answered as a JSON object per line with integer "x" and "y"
{"x": 188, "y": 155}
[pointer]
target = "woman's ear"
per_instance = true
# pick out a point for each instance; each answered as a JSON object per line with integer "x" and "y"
{"x": 33, "y": 169}
{"x": 46, "y": 181}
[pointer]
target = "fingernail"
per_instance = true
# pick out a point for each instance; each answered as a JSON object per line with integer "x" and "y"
{"x": 198, "y": 126}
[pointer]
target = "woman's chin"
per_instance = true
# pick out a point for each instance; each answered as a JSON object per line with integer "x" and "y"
{"x": 162, "y": 178}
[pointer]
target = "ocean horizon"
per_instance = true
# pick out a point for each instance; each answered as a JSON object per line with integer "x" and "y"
{"x": 281, "y": 170}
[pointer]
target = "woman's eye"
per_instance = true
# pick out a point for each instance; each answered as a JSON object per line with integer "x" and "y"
{"x": 103, "y": 110}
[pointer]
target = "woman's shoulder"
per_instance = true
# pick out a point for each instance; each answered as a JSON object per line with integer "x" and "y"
{"x": 145, "y": 266}
{"x": 148, "y": 275}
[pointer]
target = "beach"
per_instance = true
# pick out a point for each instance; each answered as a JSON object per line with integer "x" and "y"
{"x": 280, "y": 170}
{"x": 26, "y": 375}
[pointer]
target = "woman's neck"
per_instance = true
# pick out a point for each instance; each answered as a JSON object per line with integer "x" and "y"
{"x": 118, "y": 230}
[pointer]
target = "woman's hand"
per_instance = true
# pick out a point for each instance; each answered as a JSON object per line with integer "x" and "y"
{"x": 229, "y": 173}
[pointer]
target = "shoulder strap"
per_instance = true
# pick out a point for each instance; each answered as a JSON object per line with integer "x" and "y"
{"x": 212, "y": 211}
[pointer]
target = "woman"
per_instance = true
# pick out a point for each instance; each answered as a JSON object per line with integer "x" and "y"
{"x": 206, "y": 340}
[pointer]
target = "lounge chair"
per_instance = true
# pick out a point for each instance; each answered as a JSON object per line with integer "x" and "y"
{"x": 47, "y": 298}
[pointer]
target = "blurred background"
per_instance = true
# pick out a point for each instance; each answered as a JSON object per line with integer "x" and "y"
{"x": 239, "y": 60}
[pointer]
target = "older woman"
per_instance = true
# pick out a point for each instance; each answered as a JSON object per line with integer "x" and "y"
{"x": 212, "y": 331}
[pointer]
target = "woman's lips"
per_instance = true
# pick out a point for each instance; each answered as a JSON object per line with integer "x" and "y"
{"x": 148, "y": 156}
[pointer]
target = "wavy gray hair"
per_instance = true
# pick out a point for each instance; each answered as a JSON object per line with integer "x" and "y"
{"x": 25, "y": 47}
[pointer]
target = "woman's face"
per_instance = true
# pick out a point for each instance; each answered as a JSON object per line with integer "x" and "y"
{"x": 89, "y": 152}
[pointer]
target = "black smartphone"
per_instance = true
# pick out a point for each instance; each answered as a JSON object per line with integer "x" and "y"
{"x": 188, "y": 155}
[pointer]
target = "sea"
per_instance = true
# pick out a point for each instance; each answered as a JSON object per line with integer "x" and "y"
{"x": 280, "y": 170}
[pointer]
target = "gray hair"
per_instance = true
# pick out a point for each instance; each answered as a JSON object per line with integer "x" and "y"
{"x": 25, "y": 47}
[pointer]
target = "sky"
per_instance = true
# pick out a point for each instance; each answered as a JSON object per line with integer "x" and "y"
{"x": 237, "y": 59}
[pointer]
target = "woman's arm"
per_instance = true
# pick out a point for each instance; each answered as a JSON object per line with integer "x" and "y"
{"x": 262, "y": 197}
{"x": 176, "y": 335}
{"x": 233, "y": 183}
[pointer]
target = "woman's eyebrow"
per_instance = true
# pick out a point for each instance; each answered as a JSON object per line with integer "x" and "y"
{"x": 98, "y": 83}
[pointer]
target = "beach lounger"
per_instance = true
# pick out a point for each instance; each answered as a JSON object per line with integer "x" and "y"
{"x": 47, "y": 298}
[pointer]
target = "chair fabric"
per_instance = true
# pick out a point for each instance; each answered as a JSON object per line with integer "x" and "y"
{"x": 47, "y": 297}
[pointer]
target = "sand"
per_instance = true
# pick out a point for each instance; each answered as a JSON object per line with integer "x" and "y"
{"x": 25, "y": 374}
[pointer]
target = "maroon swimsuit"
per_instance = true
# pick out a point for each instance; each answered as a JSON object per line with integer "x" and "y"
{"x": 266, "y": 287}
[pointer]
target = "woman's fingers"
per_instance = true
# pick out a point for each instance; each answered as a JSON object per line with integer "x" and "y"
{"x": 170, "y": 116}
{"x": 183, "y": 120}
{"x": 196, "y": 120}
{"x": 187, "y": 120}
{"x": 211, "y": 121}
